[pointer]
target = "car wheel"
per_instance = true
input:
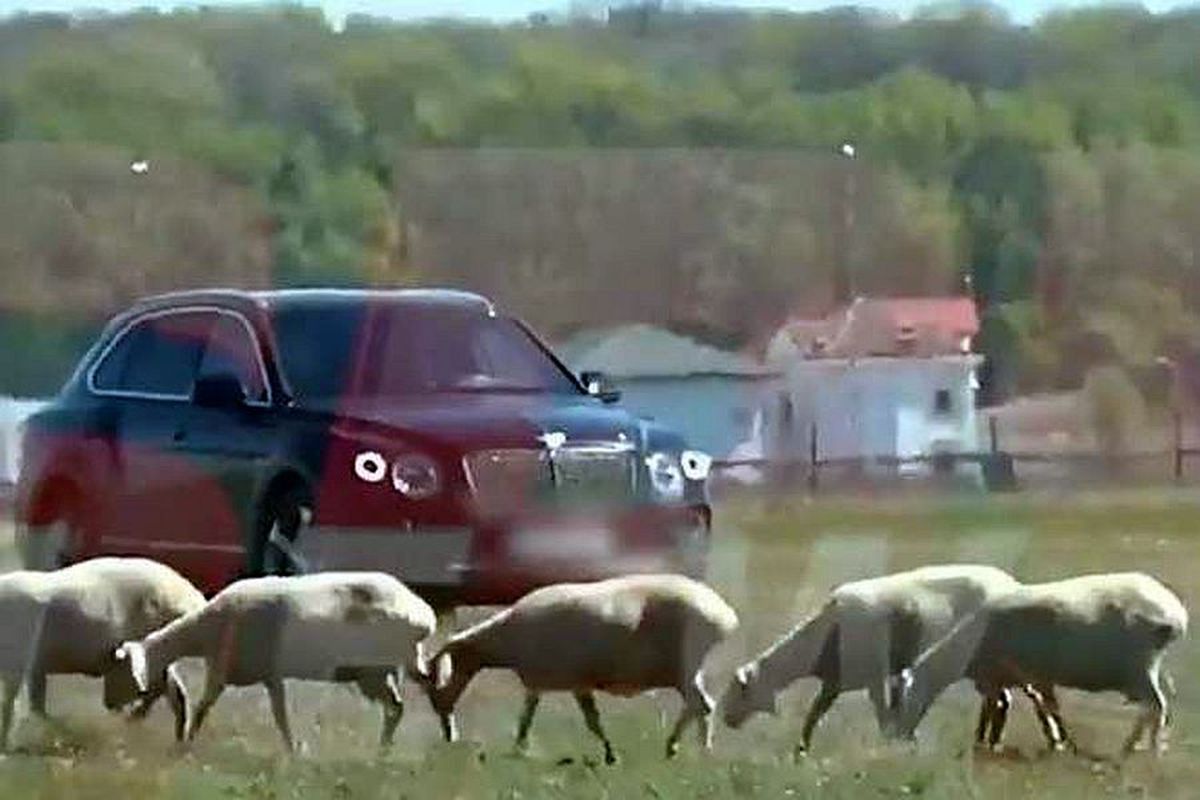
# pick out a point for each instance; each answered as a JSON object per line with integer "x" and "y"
{"x": 283, "y": 520}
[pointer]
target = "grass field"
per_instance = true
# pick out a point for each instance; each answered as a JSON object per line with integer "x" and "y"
{"x": 774, "y": 564}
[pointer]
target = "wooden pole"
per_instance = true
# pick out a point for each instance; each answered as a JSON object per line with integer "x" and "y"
{"x": 812, "y": 457}
{"x": 1178, "y": 420}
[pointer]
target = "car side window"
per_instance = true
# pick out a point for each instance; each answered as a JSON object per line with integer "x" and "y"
{"x": 157, "y": 356}
{"x": 232, "y": 350}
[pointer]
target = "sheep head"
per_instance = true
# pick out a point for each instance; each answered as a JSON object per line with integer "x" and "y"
{"x": 747, "y": 695}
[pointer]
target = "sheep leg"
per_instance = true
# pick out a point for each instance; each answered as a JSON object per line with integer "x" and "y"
{"x": 12, "y": 687}
{"x": 383, "y": 687}
{"x": 532, "y": 699}
{"x": 877, "y": 692}
{"x": 820, "y": 706}
{"x": 697, "y": 705}
{"x": 704, "y": 731}
{"x": 1154, "y": 710}
{"x": 1159, "y": 722}
{"x": 1002, "y": 702}
{"x": 591, "y": 715}
{"x": 1045, "y": 703}
{"x": 214, "y": 684}
{"x": 37, "y": 691}
{"x": 177, "y": 698}
{"x": 275, "y": 691}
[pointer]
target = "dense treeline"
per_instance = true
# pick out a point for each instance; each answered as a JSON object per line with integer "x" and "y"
{"x": 678, "y": 167}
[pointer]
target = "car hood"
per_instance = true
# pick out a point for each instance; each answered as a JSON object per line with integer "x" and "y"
{"x": 474, "y": 421}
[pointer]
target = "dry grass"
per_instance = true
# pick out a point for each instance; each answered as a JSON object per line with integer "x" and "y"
{"x": 774, "y": 565}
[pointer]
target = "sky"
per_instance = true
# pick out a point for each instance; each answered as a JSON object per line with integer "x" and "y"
{"x": 509, "y": 10}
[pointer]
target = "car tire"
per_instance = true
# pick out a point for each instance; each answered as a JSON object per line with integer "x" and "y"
{"x": 284, "y": 517}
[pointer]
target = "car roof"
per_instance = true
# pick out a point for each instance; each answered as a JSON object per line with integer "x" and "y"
{"x": 277, "y": 298}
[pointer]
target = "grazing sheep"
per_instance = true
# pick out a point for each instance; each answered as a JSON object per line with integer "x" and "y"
{"x": 360, "y": 627}
{"x": 622, "y": 635}
{"x": 70, "y": 621}
{"x": 867, "y": 631}
{"x": 1096, "y": 633}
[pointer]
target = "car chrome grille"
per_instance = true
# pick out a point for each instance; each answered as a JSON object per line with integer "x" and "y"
{"x": 509, "y": 481}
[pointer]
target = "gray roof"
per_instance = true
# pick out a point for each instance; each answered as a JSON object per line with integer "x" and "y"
{"x": 645, "y": 351}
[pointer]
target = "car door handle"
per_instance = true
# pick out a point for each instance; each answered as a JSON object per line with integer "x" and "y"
{"x": 179, "y": 435}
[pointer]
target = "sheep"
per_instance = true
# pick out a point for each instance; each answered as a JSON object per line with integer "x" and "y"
{"x": 866, "y": 632}
{"x": 70, "y": 621}
{"x": 1105, "y": 632}
{"x": 621, "y": 635}
{"x": 359, "y": 627}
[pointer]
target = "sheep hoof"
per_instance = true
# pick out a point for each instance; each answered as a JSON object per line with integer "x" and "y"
{"x": 799, "y": 753}
{"x": 610, "y": 758}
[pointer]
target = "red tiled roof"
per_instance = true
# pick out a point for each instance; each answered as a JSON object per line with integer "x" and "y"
{"x": 904, "y": 326}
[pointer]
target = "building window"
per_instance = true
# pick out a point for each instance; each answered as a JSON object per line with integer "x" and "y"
{"x": 941, "y": 401}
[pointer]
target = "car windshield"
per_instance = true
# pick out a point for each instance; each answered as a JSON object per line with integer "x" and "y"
{"x": 433, "y": 350}
{"x": 411, "y": 351}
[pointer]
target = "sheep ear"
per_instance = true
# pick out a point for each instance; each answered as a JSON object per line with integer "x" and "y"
{"x": 135, "y": 654}
{"x": 443, "y": 670}
{"x": 743, "y": 675}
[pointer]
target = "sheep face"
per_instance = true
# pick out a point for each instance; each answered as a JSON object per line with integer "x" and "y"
{"x": 120, "y": 689}
{"x": 747, "y": 696}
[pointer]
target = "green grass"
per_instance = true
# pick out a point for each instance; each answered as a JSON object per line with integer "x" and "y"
{"x": 774, "y": 562}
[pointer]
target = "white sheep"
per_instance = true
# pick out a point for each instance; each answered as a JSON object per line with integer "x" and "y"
{"x": 623, "y": 636}
{"x": 866, "y": 632}
{"x": 1097, "y": 633}
{"x": 361, "y": 627}
{"x": 70, "y": 621}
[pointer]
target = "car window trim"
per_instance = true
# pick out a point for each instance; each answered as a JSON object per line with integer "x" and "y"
{"x": 166, "y": 312}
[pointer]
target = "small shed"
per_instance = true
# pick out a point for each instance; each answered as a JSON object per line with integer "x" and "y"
{"x": 708, "y": 394}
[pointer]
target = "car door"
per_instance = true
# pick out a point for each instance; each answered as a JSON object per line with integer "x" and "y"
{"x": 232, "y": 446}
{"x": 143, "y": 380}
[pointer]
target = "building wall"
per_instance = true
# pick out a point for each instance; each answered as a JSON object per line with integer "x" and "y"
{"x": 877, "y": 407}
{"x": 713, "y": 412}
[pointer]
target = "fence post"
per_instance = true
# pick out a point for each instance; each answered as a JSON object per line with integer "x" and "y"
{"x": 812, "y": 457}
{"x": 1177, "y": 418}
{"x": 993, "y": 434}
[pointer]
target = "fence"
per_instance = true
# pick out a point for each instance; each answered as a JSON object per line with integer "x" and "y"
{"x": 999, "y": 469}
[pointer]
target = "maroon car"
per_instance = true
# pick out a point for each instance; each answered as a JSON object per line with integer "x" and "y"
{"x": 424, "y": 433}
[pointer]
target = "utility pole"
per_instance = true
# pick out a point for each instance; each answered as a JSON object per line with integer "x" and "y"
{"x": 843, "y": 286}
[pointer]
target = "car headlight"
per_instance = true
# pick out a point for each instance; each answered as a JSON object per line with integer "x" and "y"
{"x": 370, "y": 466}
{"x": 696, "y": 465}
{"x": 416, "y": 476}
{"x": 666, "y": 475}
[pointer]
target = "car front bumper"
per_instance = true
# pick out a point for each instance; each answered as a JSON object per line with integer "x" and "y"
{"x": 496, "y": 563}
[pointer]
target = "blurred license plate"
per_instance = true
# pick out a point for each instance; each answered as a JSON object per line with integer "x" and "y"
{"x": 563, "y": 543}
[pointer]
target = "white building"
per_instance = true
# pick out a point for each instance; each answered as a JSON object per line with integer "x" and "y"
{"x": 880, "y": 379}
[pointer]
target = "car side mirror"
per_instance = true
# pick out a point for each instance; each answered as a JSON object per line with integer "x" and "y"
{"x": 221, "y": 390}
{"x": 598, "y": 385}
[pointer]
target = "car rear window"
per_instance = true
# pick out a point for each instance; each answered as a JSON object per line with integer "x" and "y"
{"x": 156, "y": 356}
